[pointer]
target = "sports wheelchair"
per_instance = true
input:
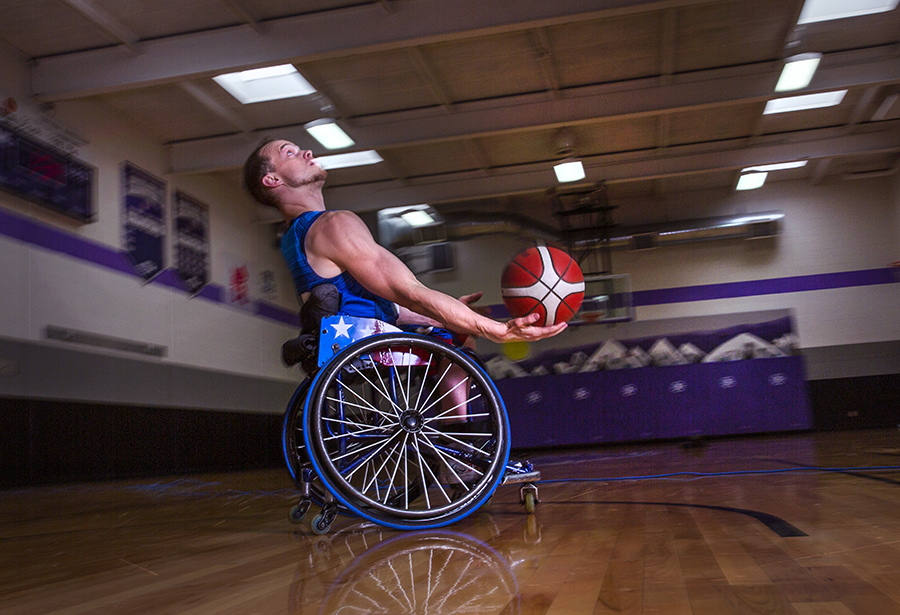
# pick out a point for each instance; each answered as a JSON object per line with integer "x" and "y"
{"x": 372, "y": 430}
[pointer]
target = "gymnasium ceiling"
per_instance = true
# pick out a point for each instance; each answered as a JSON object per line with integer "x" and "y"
{"x": 465, "y": 99}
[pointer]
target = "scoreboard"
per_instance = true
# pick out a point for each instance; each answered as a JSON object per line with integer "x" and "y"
{"x": 40, "y": 173}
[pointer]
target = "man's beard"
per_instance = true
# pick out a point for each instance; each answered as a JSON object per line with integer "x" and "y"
{"x": 317, "y": 177}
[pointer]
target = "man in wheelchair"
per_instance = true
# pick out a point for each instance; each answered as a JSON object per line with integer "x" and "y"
{"x": 338, "y": 268}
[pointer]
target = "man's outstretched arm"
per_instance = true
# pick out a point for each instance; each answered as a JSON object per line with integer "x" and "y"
{"x": 340, "y": 240}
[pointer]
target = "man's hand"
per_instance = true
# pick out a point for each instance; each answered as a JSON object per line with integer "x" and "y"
{"x": 522, "y": 329}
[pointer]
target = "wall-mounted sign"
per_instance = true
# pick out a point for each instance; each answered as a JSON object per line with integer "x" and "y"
{"x": 143, "y": 220}
{"x": 191, "y": 238}
{"x": 40, "y": 173}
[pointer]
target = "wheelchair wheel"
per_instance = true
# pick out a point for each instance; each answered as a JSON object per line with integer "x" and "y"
{"x": 406, "y": 431}
{"x": 292, "y": 435}
{"x": 297, "y": 459}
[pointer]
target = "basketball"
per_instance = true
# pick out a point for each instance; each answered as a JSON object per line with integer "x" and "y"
{"x": 544, "y": 280}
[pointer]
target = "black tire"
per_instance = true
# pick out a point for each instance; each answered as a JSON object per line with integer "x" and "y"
{"x": 370, "y": 428}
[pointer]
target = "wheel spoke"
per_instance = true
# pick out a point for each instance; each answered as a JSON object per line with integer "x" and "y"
{"x": 424, "y": 380}
{"x": 380, "y": 446}
{"x": 456, "y": 386}
{"x": 364, "y": 429}
{"x": 374, "y": 409}
{"x": 444, "y": 457}
{"x": 427, "y": 403}
{"x": 400, "y": 457}
{"x": 384, "y": 393}
{"x": 434, "y": 432}
{"x": 423, "y": 467}
{"x": 387, "y": 458}
{"x": 444, "y": 413}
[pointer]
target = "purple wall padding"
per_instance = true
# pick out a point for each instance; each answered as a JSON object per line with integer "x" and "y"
{"x": 655, "y": 403}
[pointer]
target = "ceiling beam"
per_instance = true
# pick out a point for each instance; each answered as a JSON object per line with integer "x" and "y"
{"x": 646, "y": 97}
{"x": 334, "y": 33}
{"x": 106, "y": 22}
{"x": 241, "y": 11}
{"x": 617, "y": 168}
{"x": 216, "y": 107}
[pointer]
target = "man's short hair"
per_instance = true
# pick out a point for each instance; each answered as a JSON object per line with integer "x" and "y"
{"x": 255, "y": 168}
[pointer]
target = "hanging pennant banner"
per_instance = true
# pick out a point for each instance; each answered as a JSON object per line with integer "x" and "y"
{"x": 191, "y": 236}
{"x": 143, "y": 220}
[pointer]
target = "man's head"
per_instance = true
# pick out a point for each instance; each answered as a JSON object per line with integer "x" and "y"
{"x": 275, "y": 167}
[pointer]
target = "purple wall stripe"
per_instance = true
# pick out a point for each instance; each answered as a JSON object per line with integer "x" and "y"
{"x": 804, "y": 283}
{"x": 37, "y": 234}
{"x": 29, "y": 231}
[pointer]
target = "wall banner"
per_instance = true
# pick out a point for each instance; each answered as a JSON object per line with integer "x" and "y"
{"x": 191, "y": 237}
{"x": 143, "y": 220}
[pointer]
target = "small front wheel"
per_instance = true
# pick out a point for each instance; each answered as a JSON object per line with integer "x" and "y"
{"x": 319, "y": 525}
{"x": 299, "y": 511}
{"x": 530, "y": 502}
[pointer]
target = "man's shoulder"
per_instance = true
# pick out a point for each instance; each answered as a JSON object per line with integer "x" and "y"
{"x": 337, "y": 227}
{"x": 337, "y": 220}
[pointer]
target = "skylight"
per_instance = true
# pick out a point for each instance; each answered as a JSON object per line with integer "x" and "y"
{"x": 351, "y": 159}
{"x": 751, "y": 181}
{"x": 804, "y": 102}
{"x": 824, "y": 10}
{"x": 798, "y": 72}
{"x": 263, "y": 84}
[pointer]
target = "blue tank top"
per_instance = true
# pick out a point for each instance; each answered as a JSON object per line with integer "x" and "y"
{"x": 355, "y": 300}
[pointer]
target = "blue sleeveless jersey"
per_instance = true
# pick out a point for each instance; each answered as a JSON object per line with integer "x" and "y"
{"x": 355, "y": 300}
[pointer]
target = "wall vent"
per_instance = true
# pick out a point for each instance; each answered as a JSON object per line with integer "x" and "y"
{"x": 85, "y": 338}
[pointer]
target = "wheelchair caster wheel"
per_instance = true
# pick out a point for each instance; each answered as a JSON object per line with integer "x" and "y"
{"x": 530, "y": 502}
{"x": 321, "y": 523}
{"x": 299, "y": 511}
{"x": 528, "y": 496}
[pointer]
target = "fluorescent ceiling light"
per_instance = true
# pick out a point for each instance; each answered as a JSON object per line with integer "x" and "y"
{"x": 351, "y": 159}
{"x": 569, "y": 171}
{"x": 751, "y": 181}
{"x": 262, "y": 84}
{"x": 328, "y": 133}
{"x": 417, "y": 217}
{"x": 798, "y": 71}
{"x": 778, "y": 166}
{"x": 804, "y": 102}
{"x": 824, "y": 10}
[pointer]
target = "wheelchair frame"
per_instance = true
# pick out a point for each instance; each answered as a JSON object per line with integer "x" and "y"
{"x": 383, "y": 431}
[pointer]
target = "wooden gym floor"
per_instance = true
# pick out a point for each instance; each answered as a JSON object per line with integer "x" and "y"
{"x": 768, "y": 533}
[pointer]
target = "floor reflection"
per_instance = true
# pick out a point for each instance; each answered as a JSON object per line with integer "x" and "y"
{"x": 364, "y": 569}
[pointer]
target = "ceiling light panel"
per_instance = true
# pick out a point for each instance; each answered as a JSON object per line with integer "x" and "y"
{"x": 751, "y": 181}
{"x": 825, "y": 10}
{"x": 798, "y": 71}
{"x": 264, "y": 84}
{"x": 778, "y": 166}
{"x": 569, "y": 171}
{"x": 351, "y": 159}
{"x": 329, "y": 134}
{"x": 804, "y": 102}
